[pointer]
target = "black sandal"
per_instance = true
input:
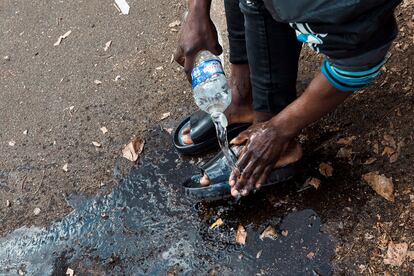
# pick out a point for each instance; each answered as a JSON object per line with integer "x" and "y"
{"x": 219, "y": 172}
{"x": 203, "y": 133}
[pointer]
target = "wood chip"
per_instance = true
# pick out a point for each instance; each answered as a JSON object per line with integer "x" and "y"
{"x": 216, "y": 224}
{"x": 96, "y": 144}
{"x": 396, "y": 253}
{"x": 65, "y": 167}
{"x": 104, "y": 130}
{"x": 57, "y": 43}
{"x": 381, "y": 184}
{"x": 313, "y": 181}
{"x": 165, "y": 116}
{"x": 133, "y": 149}
{"x": 325, "y": 169}
{"x": 107, "y": 45}
{"x": 241, "y": 235}
{"x": 269, "y": 232}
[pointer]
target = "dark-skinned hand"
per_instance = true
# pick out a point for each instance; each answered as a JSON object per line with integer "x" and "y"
{"x": 264, "y": 145}
{"x": 197, "y": 33}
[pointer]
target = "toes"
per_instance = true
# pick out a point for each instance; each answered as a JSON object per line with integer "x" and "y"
{"x": 187, "y": 139}
{"x": 205, "y": 181}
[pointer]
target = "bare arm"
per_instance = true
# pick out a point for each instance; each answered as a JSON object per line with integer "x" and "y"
{"x": 197, "y": 33}
{"x": 266, "y": 141}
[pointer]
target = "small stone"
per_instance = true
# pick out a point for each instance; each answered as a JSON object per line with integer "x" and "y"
{"x": 65, "y": 167}
{"x": 97, "y": 82}
{"x": 6, "y": 58}
{"x": 12, "y": 143}
{"x": 8, "y": 204}
{"x": 25, "y": 132}
{"x": 36, "y": 211}
{"x": 285, "y": 233}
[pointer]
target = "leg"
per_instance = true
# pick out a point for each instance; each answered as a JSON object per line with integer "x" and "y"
{"x": 273, "y": 53}
{"x": 240, "y": 110}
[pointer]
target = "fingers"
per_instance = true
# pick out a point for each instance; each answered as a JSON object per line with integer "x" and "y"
{"x": 241, "y": 138}
{"x": 262, "y": 179}
{"x": 217, "y": 49}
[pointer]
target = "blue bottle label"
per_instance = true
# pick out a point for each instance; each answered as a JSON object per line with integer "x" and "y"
{"x": 205, "y": 70}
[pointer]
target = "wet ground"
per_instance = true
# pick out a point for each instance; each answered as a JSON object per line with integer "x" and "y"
{"x": 137, "y": 221}
{"x": 146, "y": 226}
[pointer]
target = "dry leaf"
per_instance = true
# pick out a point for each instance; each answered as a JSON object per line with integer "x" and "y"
{"x": 107, "y": 45}
{"x": 325, "y": 169}
{"x": 12, "y": 143}
{"x": 344, "y": 152}
{"x": 96, "y": 144}
{"x": 241, "y": 235}
{"x": 174, "y": 24}
{"x": 389, "y": 141}
{"x": 216, "y": 224}
{"x": 104, "y": 130}
{"x": 313, "y": 181}
{"x": 346, "y": 141}
{"x": 381, "y": 184}
{"x": 133, "y": 149}
{"x": 269, "y": 232}
{"x": 369, "y": 161}
{"x": 65, "y": 167}
{"x": 61, "y": 38}
{"x": 36, "y": 211}
{"x": 97, "y": 82}
{"x": 285, "y": 233}
{"x": 259, "y": 254}
{"x": 396, "y": 253}
{"x": 165, "y": 116}
{"x": 70, "y": 272}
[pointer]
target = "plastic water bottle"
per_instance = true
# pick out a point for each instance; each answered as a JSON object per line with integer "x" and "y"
{"x": 210, "y": 88}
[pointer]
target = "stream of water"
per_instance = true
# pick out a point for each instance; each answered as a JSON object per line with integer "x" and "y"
{"x": 220, "y": 122}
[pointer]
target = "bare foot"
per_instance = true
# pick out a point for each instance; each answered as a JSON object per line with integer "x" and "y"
{"x": 292, "y": 154}
{"x": 240, "y": 109}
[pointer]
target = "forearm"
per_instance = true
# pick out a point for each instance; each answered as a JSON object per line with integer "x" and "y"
{"x": 319, "y": 98}
{"x": 201, "y": 7}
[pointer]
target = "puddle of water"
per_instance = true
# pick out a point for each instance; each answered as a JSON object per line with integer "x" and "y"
{"x": 145, "y": 226}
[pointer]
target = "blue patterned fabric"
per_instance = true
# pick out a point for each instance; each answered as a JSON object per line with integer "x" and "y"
{"x": 349, "y": 81}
